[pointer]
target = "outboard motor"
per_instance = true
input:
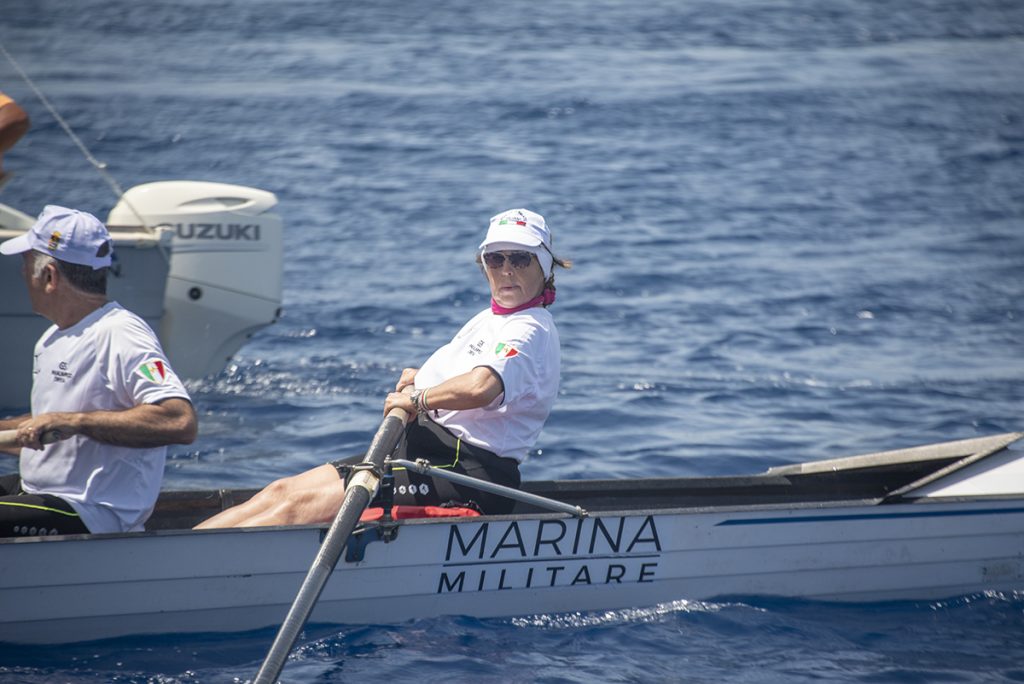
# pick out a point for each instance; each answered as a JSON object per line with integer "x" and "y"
{"x": 226, "y": 266}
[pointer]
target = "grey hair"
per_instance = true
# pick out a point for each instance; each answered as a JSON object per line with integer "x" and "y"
{"x": 83, "y": 278}
{"x": 39, "y": 264}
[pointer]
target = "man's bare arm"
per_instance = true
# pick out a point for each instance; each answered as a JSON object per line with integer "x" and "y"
{"x": 172, "y": 421}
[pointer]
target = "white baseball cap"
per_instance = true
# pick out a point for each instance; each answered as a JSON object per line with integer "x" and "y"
{"x": 66, "y": 234}
{"x": 520, "y": 227}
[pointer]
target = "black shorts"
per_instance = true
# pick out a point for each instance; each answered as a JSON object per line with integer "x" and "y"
{"x": 426, "y": 439}
{"x": 24, "y": 514}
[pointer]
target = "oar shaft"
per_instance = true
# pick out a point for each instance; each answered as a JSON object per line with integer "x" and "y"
{"x": 362, "y": 487}
{"x": 316, "y": 579}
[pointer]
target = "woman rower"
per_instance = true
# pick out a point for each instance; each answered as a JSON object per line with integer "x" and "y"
{"x": 477, "y": 405}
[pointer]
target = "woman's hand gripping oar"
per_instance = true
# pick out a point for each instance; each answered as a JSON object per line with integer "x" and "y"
{"x": 360, "y": 491}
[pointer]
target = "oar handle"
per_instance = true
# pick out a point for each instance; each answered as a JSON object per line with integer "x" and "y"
{"x": 9, "y": 438}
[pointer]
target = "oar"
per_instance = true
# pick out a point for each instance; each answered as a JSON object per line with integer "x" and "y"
{"x": 361, "y": 488}
{"x": 9, "y": 438}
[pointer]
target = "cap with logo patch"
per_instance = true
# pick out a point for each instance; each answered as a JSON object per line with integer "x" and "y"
{"x": 518, "y": 226}
{"x": 70, "y": 235}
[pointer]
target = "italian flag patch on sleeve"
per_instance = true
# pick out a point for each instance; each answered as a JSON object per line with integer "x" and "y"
{"x": 154, "y": 370}
{"x": 505, "y": 351}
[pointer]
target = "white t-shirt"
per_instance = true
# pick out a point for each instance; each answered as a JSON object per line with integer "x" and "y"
{"x": 110, "y": 360}
{"x": 523, "y": 348}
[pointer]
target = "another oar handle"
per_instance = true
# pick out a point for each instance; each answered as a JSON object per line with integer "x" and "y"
{"x": 9, "y": 438}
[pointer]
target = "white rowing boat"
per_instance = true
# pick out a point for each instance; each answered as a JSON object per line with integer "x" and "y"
{"x": 921, "y": 523}
{"x": 185, "y": 254}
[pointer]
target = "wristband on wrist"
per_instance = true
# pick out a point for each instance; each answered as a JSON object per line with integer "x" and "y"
{"x": 423, "y": 401}
{"x": 415, "y": 399}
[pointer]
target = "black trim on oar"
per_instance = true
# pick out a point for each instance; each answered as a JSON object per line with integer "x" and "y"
{"x": 361, "y": 488}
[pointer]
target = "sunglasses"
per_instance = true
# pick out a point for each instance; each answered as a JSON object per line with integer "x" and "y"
{"x": 519, "y": 260}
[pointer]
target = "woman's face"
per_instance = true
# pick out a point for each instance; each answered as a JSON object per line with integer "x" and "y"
{"x": 515, "y": 277}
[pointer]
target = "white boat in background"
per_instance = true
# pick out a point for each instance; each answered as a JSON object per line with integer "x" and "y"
{"x": 200, "y": 262}
{"x": 923, "y": 523}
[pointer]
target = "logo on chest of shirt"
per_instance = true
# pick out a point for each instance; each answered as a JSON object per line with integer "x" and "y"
{"x": 476, "y": 348}
{"x": 61, "y": 373}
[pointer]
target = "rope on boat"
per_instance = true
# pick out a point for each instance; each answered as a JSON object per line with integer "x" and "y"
{"x": 101, "y": 167}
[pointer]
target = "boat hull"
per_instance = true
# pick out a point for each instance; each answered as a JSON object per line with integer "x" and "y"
{"x": 89, "y": 588}
{"x": 917, "y": 524}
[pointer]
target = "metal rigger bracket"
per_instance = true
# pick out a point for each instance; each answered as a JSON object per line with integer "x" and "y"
{"x": 386, "y": 528}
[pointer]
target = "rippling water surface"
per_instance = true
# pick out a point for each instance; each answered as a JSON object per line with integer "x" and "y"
{"x": 798, "y": 229}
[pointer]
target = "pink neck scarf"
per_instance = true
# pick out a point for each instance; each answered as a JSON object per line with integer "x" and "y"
{"x": 546, "y": 298}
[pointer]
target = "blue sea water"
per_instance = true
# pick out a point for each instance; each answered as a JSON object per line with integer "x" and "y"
{"x": 798, "y": 230}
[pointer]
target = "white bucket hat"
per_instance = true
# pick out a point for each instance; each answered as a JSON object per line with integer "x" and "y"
{"x": 66, "y": 234}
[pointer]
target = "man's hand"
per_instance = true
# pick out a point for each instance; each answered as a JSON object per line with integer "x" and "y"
{"x": 38, "y": 431}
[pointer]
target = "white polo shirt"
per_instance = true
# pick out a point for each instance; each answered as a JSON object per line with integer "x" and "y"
{"x": 523, "y": 348}
{"x": 110, "y": 360}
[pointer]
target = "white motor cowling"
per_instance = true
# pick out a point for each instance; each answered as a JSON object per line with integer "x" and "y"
{"x": 226, "y": 266}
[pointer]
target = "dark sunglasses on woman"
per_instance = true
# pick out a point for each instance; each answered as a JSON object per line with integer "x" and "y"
{"x": 518, "y": 260}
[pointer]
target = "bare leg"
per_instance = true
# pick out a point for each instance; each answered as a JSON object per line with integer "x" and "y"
{"x": 308, "y": 506}
{"x": 304, "y": 498}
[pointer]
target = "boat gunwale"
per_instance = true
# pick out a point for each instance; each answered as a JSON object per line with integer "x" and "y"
{"x": 879, "y": 503}
{"x": 946, "y": 457}
{"x": 960, "y": 448}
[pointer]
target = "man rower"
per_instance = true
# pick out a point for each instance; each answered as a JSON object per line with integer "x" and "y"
{"x": 105, "y": 401}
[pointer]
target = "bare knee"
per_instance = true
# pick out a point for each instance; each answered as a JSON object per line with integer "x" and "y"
{"x": 308, "y": 506}
{"x": 277, "y": 488}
